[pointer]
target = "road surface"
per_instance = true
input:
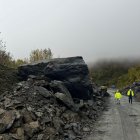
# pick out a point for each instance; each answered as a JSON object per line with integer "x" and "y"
{"x": 118, "y": 122}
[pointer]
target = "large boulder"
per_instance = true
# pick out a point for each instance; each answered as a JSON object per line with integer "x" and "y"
{"x": 72, "y": 71}
{"x": 37, "y": 69}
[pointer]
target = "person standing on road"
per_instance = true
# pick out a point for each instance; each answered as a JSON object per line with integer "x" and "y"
{"x": 118, "y": 96}
{"x": 130, "y": 95}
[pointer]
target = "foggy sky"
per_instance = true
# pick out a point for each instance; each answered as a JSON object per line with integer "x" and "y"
{"x": 94, "y": 29}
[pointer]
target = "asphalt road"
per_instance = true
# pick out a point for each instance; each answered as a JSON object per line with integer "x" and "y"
{"x": 118, "y": 122}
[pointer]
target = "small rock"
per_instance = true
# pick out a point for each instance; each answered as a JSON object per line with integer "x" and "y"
{"x": 31, "y": 128}
{"x": 39, "y": 114}
{"x": 40, "y": 137}
{"x": 7, "y": 120}
{"x": 86, "y": 129}
{"x": 65, "y": 99}
{"x": 43, "y": 91}
{"x": 1, "y": 111}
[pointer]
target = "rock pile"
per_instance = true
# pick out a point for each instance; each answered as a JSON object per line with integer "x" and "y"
{"x": 42, "y": 110}
{"x": 57, "y": 101}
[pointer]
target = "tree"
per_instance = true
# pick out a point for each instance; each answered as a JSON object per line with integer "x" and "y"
{"x": 37, "y": 54}
{"x": 18, "y": 62}
{"x": 5, "y": 57}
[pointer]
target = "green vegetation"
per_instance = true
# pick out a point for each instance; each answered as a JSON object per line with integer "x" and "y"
{"x": 6, "y": 58}
{"x": 133, "y": 75}
{"x": 119, "y": 73}
{"x": 8, "y": 66}
{"x": 107, "y": 72}
{"x": 37, "y": 54}
{"x": 8, "y": 77}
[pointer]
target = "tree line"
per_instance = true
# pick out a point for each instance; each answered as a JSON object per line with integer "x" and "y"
{"x": 119, "y": 73}
{"x": 35, "y": 55}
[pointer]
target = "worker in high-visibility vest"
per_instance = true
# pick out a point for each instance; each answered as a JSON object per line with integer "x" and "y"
{"x": 118, "y": 96}
{"x": 130, "y": 94}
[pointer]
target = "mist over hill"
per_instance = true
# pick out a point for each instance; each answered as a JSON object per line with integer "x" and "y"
{"x": 119, "y": 72}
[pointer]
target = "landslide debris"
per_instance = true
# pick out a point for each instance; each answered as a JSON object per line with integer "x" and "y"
{"x": 44, "y": 107}
{"x": 34, "y": 112}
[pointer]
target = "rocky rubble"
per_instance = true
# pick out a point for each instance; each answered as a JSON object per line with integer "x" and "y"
{"x": 42, "y": 110}
{"x": 56, "y": 101}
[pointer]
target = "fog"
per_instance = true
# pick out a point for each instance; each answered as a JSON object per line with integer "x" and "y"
{"x": 94, "y": 29}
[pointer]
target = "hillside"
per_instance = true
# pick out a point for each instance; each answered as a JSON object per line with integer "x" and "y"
{"x": 8, "y": 78}
{"x": 119, "y": 73}
{"x": 133, "y": 75}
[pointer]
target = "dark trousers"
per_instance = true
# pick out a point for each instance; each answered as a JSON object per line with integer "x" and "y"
{"x": 130, "y": 99}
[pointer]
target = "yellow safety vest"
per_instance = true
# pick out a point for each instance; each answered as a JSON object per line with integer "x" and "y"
{"x": 118, "y": 95}
{"x": 128, "y": 93}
